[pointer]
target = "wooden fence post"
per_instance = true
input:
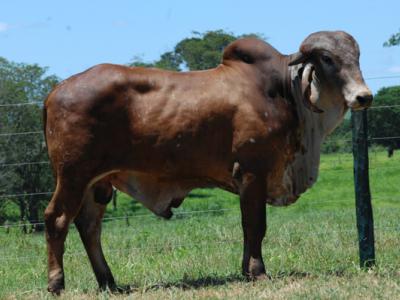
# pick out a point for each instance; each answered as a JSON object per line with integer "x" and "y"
{"x": 365, "y": 223}
{"x": 127, "y": 220}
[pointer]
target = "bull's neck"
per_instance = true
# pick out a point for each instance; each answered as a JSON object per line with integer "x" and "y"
{"x": 318, "y": 125}
{"x": 313, "y": 128}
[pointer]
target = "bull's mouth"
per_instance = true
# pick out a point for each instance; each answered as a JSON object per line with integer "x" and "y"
{"x": 357, "y": 106}
{"x": 360, "y": 108}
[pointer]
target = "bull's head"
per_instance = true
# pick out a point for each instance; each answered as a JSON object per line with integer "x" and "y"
{"x": 329, "y": 72}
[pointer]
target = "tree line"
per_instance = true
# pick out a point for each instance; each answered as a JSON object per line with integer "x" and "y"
{"x": 23, "y": 84}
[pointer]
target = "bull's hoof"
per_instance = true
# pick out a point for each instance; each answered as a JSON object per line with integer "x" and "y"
{"x": 121, "y": 289}
{"x": 55, "y": 289}
{"x": 112, "y": 288}
{"x": 107, "y": 284}
{"x": 261, "y": 277}
{"x": 256, "y": 270}
{"x": 56, "y": 283}
{"x": 258, "y": 277}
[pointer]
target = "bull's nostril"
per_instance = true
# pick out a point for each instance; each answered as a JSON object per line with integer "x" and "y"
{"x": 364, "y": 99}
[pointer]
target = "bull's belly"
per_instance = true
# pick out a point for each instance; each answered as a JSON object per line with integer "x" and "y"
{"x": 156, "y": 192}
{"x": 160, "y": 192}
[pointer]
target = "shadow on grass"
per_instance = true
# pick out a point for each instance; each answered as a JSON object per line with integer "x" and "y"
{"x": 292, "y": 274}
{"x": 213, "y": 281}
{"x": 300, "y": 274}
{"x": 185, "y": 283}
{"x": 191, "y": 283}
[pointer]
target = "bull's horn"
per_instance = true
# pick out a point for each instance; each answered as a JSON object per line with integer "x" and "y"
{"x": 308, "y": 89}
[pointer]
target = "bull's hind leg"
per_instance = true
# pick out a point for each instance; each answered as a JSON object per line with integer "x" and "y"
{"x": 88, "y": 223}
{"x": 61, "y": 210}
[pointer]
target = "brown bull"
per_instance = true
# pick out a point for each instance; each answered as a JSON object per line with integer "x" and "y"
{"x": 253, "y": 126}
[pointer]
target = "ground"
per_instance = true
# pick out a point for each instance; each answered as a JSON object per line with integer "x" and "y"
{"x": 311, "y": 248}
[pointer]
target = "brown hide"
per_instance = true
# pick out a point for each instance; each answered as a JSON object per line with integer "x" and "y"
{"x": 253, "y": 126}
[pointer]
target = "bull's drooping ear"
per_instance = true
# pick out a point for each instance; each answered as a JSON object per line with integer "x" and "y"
{"x": 297, "y": 58}
{"x": 310, "y": 88}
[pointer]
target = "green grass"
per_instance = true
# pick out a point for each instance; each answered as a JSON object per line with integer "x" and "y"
{"x": 311, "y": 249}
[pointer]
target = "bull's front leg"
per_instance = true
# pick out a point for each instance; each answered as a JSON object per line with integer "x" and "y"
{"x": 253, "y": 207}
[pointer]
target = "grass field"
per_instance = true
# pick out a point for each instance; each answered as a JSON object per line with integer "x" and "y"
{"x": 311, "y": 248}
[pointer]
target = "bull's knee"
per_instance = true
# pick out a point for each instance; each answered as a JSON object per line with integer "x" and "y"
{"x": 56, "y": 224}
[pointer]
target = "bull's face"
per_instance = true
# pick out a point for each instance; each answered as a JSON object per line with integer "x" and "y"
{"x": 330, "y": 72}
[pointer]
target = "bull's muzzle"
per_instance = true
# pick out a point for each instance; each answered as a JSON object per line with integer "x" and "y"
{"x": 362, "y": 101}
{"x": 359, "y": 99}
{"x": 365, "y": 99}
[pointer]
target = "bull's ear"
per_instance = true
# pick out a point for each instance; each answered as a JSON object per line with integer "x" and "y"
{"x": 310, "y": 88}
{"x": 297, "y": 58}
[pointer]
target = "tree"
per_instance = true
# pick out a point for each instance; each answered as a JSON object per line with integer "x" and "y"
{"x": 383, "y": 121}
{"x": 23, "y": 83}
{"x": 199, "y": 52}
{"x": 394, "y": 40}
{"x": 203, "y": 51}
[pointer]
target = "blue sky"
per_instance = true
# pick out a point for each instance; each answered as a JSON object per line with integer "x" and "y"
{"x": 70, "y": 36}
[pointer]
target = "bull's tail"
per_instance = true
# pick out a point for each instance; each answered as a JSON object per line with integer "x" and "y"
{"x": 44, "y": 122}
{"x": 45, "y": 137}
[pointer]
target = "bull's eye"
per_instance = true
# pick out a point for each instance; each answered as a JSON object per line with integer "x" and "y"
{"x": 327, "y": 60}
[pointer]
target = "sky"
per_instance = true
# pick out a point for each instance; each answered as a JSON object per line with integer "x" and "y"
{"x": 71, "y": 36}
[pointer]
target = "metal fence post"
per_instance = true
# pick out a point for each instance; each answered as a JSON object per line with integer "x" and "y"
{"x": 365, "y": 223}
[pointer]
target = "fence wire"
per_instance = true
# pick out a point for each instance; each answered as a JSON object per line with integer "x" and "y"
{"x": 336, "y": 169}
{"x": 20, "y": 133}
{"x": 39, "y": 103}
{"x": 305, "y": 203}
{"x": 170, "y": 246}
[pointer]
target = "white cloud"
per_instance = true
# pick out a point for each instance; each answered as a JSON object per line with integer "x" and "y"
{"x": 4, "y": 26}
{"x": 394, "y": 69}
{"x": 35, "y": 25}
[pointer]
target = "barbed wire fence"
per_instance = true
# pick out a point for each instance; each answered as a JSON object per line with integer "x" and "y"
{"x": 127, "y": 217}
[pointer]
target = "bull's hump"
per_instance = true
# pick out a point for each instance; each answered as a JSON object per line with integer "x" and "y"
{"x": 249, "y": 51}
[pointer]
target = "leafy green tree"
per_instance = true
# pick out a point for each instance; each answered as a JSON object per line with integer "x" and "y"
{"x": 138, "y": 62}
{"x": 199, "y": 52}
{"x": 383, "y": 122}
{"x": 203, "y": 51}
{"x": 22, "y": 84}
{"x": 394, "y": 40}
{"x": 169, "y": 61}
